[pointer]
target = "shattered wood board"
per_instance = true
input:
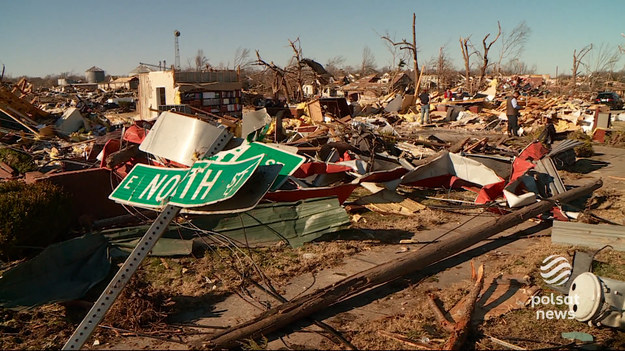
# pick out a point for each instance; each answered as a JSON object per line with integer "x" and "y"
{"x": 407, "y": 207}
{"x": 594, "y": 236}
{"x": 314, "y": 110}
{"x": 387, "y": 201}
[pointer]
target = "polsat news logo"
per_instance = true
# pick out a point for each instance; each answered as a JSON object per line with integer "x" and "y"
{"x": 555, "y": 270}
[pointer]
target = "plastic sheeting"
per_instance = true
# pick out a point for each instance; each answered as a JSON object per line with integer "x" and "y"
{"x": 62, "y": 272}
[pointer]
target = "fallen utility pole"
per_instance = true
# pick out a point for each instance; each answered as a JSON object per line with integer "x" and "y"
{"x": 289, "y": 312}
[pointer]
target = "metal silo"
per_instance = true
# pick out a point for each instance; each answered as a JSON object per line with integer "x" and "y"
{"x": 94, "y": 75}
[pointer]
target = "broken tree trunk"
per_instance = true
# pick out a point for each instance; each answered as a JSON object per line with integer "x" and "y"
{"x": 459, "y": 328}
{"x": 287, "y": 313}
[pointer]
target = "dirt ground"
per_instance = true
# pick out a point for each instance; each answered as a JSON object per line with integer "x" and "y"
{"x": 177, "y": 303}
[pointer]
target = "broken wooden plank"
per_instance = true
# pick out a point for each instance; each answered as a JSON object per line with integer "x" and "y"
{"x": 314, "y": 109}
{"x": 457, "y": 147}
{"x": 18, "y": 120}
{"x": 505, "y": 343}
{"x": 404, "y": 340}
{"x": 594, "y": 236}
{"x": 303, "y": 306}
{"x": 480, "y": 142}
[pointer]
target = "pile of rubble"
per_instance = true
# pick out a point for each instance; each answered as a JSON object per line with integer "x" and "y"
{"x": 293, "y": 172}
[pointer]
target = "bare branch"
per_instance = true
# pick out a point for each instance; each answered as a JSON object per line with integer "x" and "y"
{"x": 577, "y": 61}
{"x": 486, "y": 48}
{"x": 407, "y": 45}
{"x": 484, "y": 55}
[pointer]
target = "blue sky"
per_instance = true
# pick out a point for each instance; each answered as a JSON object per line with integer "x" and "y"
{"x": 49, "y": 37}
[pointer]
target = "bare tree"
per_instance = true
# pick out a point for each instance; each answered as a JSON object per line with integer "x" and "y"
{"x": 444, "y": 68}
{"x": 242, "y": 58}
{"x": 513, "y": 44}
{"x": 484, "y": 54}
{"x": 518, "y": 67}
{"x": 367, "y": 65}
{"x": 622, "y": 47}
{"x": 335, "y": 64}
{"x": 603, "y": 58}
{"x": 201, "y": 61}
{"x": 412, "y": 48}
{"x": 577, "y": 61}
{"x": 601, "y": 63}
{"x": 467, "y": 51}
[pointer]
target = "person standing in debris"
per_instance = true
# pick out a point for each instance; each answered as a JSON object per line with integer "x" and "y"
{"x": 425, "y": 107}
{"x": 512, "y": 111}
{"x": 448, "y": 95}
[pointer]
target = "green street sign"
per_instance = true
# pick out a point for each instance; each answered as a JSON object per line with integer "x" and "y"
{"x": 205, "y": 183}
{"x": 271, "y": 155}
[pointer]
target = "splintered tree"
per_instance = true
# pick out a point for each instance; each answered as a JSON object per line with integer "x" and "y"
{"x": 577, "y": 61}
{"x": 467, "y": 51}
{"x": 412, "y": 48}
{"x": 484, "y": 54}
{"x": 297, "y": 57}
{"x": 279, "y": 78}
{"x": 512, "y": 44}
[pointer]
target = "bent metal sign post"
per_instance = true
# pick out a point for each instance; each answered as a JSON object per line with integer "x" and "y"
{"x": 205, "y": 183}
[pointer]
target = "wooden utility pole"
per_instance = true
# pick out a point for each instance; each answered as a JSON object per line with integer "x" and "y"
{"x": 289, "y": 312}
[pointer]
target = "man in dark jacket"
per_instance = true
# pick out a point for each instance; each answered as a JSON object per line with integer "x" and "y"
{"x": 512, "y": 111}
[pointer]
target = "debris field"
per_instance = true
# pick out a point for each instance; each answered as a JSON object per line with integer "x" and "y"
{"x": 208, "y": 215}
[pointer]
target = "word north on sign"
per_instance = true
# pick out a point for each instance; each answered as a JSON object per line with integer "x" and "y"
{"x": 205, "y": 183}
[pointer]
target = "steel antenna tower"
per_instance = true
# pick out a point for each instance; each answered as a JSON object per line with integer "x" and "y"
{"x": 177, "y": 49}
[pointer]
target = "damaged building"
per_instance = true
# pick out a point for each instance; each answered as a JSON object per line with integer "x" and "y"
{"x": 216, "y": 92}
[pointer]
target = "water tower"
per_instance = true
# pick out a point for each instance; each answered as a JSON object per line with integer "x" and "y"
{"x": 176, "y": 49}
